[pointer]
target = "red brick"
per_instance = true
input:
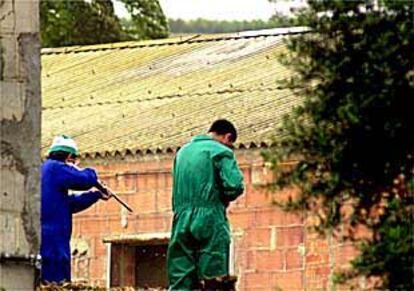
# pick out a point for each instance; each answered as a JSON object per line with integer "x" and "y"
{"x": 109, "y": 207}
{"x": 148, "y": 182}
{"x": 153, "y": 223}
{"x": 156, "y": 181}
{"x": 323, "y": 271}
{"x": 100, "y": 248}
{"x": 154, "y": 164}
{"x": 143, "y": 201}
{"x": 256, "y": 281}
{"x": 344, "y": 254}
{"x": 261, "y": 175}
{"x": 313, "y": 236}
{"x": 169, "y": 181}
{"x": 163, "y": 180}
{"x": 114, "y": 225}
{"x": 258, "y": 196}
{"x": 130, "y": 183}
{"x": 125, "y": 183}
{"x": 290, "y": 281}
{"x": 105, "y": 226}
{"x": 322, "y": 244}
{"x": 240, "y": 202}
{"x": 89, "y": 226}
{"x": 98, "y": 267}
{"x": 286, "y": 194}
{"x": 76, "y": 227}
{"x": 317, "y": 273}
{"x": 275, "y": 216}
{"x": 317, "y": 258}
{"x": 294, "y": 260}
{"x": 142, "y": 181}
{"x": 317, "y": 285}
{"x": 247, "y": 175}
{"x": 241, "y": 219}
{"x": 248, "y": 260}
{"x": 258, "y": 237}
{"x": 289, "y": 236}
{"x": 164, "y": 200}
{"x": 315, "y": 245}
{"x": 269, "y": 260}
{"x": 109, "y": 180}
{"x": 125, "y": 167}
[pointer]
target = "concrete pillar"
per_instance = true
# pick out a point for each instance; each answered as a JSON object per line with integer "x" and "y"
{"x": 19, "y": 142}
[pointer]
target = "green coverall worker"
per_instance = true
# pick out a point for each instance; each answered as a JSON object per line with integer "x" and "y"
{"x": 206, "y": 178}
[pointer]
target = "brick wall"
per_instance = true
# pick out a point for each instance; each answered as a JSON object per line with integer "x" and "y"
{"x": 272, "y": 249}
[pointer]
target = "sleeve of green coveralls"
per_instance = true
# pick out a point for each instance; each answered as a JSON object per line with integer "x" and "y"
{"x": 230, "y": 176}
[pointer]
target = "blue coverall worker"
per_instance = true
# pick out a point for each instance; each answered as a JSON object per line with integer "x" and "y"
{"x": 206, "y": 178}
{"x": 57, "y": 206}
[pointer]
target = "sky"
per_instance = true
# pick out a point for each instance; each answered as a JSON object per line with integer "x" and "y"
{"x": 220, "y": 9}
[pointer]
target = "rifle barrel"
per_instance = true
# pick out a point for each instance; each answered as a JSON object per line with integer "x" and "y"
{"x": 102, "y": 188}
{"x": 121, "y": 202}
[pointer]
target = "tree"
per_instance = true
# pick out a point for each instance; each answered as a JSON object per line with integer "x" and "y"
{"x": 148, "y": 19}
{"x": 82, "y": 22}
{"x": 78, "y": 22}
{"x": 201, "y": 25}
{"x": 288, "y": 20}
{"x": 280, "y": 20}
{"x": 353, "y": 134}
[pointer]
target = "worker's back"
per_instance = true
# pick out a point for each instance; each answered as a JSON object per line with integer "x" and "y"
{"x": 196, "y": 180}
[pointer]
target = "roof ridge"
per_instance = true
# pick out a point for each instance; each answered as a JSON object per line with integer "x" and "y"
{"x": 172, "y": 96}
{"x": 171, "y": 41}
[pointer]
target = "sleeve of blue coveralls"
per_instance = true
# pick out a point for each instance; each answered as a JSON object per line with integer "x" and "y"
{"x": 79, "y": 202}
{"x": 230, "y": 176}
{"x": 73, "y": 178}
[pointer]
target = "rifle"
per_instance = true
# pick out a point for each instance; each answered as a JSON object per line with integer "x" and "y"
{"x": 101, "y": 187}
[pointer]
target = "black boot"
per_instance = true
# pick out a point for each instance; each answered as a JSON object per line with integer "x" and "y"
{"x": 224, "y": 283}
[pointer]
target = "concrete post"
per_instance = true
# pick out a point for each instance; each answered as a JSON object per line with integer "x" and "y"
{"x": 19, "y": 142}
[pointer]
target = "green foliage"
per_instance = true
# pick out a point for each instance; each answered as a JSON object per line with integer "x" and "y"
{"x": 201, "y": 25}
{"x": 148, "y": 19}
{"x": 392, "y": 248}
{"x": 67, "y": 22}
{"x": 353, "y": 137}
{"x": 82, "y": 22}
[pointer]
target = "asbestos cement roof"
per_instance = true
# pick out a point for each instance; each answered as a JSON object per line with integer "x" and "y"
{"x": 152, "y": 96}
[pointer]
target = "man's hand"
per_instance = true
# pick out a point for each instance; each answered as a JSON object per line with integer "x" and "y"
{"x": 106, "y": 193}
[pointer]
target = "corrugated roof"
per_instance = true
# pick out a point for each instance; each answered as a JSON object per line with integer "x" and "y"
{"x": 154, "y": 95}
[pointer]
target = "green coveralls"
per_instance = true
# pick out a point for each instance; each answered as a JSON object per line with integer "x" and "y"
{"x": 206, "y": 178}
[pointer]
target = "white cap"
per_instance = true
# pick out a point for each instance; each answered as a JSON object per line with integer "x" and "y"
{"x": 64, "y": 143}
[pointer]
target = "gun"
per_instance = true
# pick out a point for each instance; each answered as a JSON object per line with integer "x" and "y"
{"x": 108, "y": 191}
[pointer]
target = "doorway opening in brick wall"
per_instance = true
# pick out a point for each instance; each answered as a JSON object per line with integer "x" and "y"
{"x": 138, "y": 261}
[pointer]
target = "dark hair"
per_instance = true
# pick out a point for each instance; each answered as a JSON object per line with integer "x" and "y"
{"x": 59, "y": 156}
{"x": 222, "y": 127}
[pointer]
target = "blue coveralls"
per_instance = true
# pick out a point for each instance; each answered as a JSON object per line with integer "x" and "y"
{"x": 57, "y": 208}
